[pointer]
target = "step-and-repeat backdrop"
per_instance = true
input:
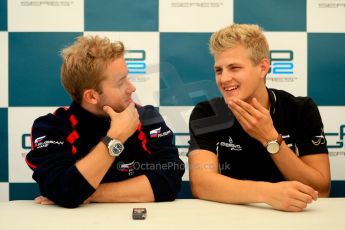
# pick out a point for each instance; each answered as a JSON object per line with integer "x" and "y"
{"x": 168, "y": 61}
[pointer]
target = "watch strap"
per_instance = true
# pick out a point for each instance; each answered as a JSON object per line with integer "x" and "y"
{"x": 106, "y": 140}
{"x": 280, "y": 139}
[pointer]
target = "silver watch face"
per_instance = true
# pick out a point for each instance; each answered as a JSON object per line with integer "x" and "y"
{"x": 115, "y": 148}
{"x": 273, "y": 147}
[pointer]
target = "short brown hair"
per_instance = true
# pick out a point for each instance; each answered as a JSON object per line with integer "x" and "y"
{"x": 250, "y": 36}
{"x": 84, "y": 63}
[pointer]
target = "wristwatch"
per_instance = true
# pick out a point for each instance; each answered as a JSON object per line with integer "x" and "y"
{"x": 273, "y": 146}
{"x": 115, "y": 147}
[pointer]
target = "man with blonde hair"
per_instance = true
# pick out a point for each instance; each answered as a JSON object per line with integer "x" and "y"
{"x": 103, "y": 148}
{"x": 259, "y": 144}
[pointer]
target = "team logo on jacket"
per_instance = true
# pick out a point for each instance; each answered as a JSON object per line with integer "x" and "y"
{"x": 126, "y": 167}
{"x": 319, "y": 140}
{"x": 39, "y": 140}
{"x": 230, "y": 144}
{"x": 39, "y": 143}
{"x": 156, "y": 133}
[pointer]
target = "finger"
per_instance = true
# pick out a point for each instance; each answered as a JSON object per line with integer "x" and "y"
{"x": 43, "y": 200}
{"x": 236, "y": 109}
{"x": 241, "y": 115}
{"x": 234, "y": 106}
{"x": 299, "y": 204}
{"x": 258, "y": 106}
{"x": 38, "y": 199}
{"x": 293, "y": 208}
{"x": 248, "y": 108}
{"x": 308, "y": 190}
{"x": 47, "y": 202}
{"x": 304, "y": 197}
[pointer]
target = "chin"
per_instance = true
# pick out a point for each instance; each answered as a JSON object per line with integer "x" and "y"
{"x": 127, "y": 103}
{"x": 119, "y": 110}
{"x": 227, "y": 97}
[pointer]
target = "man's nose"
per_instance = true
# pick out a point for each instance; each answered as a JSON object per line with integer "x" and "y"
{"x": 131, "y": 88}
{"x": 226, "y": 76}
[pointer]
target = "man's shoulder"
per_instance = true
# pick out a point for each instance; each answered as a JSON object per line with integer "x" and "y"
{"x": 285, "y": 98}
{"x": 57, "y": 119}
{"x": 211, "y": 116}
{"x": 217, "y": 101}
{"x": 149, "y": 115}
{"x": 209, "y": 108}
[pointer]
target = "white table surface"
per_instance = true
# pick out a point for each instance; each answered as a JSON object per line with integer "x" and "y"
{"x": 325, "y": 214}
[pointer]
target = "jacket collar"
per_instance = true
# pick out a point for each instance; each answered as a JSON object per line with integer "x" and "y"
{"x": 273, "y": 100}
{"x": 87, "y": 119}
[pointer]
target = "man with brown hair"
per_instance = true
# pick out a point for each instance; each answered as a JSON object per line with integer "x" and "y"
{"x": 255, "y": 144}
{"x": 103, "y": 148}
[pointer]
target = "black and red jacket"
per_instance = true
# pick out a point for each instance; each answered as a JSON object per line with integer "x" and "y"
{"x": 59, "y": 140}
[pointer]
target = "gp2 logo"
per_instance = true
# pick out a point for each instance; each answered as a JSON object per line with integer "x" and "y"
{"x": 281, "y": 62}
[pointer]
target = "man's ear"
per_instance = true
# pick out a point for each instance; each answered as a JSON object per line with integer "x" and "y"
{"x": 90, "y": 96}
{"x": 264, "y": 66}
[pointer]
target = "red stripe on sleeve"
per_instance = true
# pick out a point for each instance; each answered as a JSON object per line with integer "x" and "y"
{"x": 143, "y": 139}
{"x": 31, "y": 140}
{"x": 30, "y": 164}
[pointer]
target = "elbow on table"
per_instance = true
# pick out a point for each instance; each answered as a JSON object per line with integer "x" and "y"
{"x": 65, "y": 199}
{"x": 323, "y": 188}
{"x": 164, "y": 197}
{"x": 69, "y": 204}
{"x": 325, "y": 192}
{"x": 164, "y": 190}
{"x": 198, "y": 187}
{"x": 68, "y": 201}
{"x": 168, "y": 194}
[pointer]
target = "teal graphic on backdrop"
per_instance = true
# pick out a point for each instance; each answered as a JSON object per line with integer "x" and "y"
{"x": 186, "y": 78}
{"x": 3, "y": 15}
{"x": 26, "y": 141}
{"x": 23, "y": 191}
{"x": 272, "y": 15}
{"x": 36, "y": 78}
{"x": 136, "y": 61}
{"x": 326, "y": 78}
{"x": 3, "y": 145}
{"x": 340, "y": 136}
{"x": 281, "y": 62}
{"x": 118, "y": 15}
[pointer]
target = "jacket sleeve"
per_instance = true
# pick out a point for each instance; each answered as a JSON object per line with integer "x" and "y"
{"x": 311, "y": 139}
{"x": 165, "y": 169}
{"x": 53, "y": 163}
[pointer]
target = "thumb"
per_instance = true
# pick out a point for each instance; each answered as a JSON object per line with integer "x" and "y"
{"x": 256, "y": 104}
{"x": 109, "y": 111}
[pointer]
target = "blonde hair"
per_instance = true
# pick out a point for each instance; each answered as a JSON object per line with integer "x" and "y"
{"x": 250, "y": 36}
{"x": 84, "y": 63}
